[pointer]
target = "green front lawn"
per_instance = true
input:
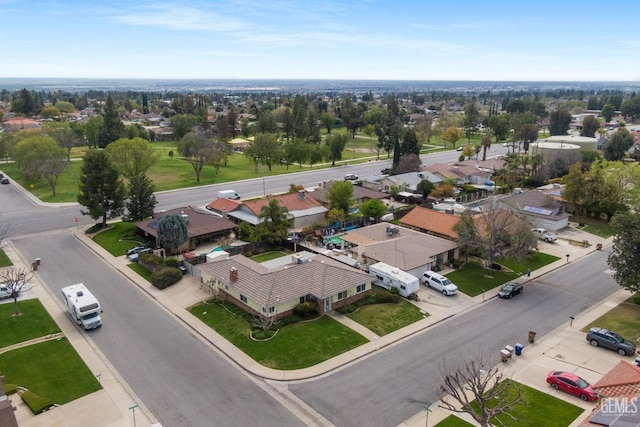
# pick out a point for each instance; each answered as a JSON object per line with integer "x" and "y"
{"x": 541, "y": 409}
{"x": 119, "y": 237}
{"x": 268, "y": 256}
{"x": 623, "y": 319}
{"x": 472, "y": 279}
{"x": 51, "y": 369}
{"x": 453, "y": 421}
{"x": 142, "y": 271}
{"x": 34, "y": 322}
{"x": 4, "y": 259}
{"x": 594, "y": 226}
{"x": 383, "y": 319}
{"x": 295, "y": 346}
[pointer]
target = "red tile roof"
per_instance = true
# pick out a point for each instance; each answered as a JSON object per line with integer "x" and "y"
{"x": 432, "y": 221}
{"x": 623, "y": 379}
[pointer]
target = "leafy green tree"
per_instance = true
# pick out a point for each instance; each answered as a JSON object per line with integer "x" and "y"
{"x": 631, "y": 107}
{"x": 317, "y": 153}
{"x": 452, "y": 134}
{"x": 624, "y": 258}
{"x": 471, "y": 120}
{"x": 133, "y": 157}
{"x": 273, "y": 224}
{"x": 66, "y": 137}
{"x": 136, "y": 130}
{"x": 410, "y": 143}
{"x": 373, "y": 208}
{"x": 25, "y": 103}
{"x": 197, "y": 149}
{"x": 172, "y": 232}
{"x": 112, "y": 127}
{"x": 559, "y": 121}
{"x": 49, "y": 112}
{"x": 141, "y": 202}
{"x": 574, "y": 187}
{"x": 265, "y": 149}
{"x": 65, "y": 106}
{"x": 182, "y": 124}
{"x": 617, "y": 146}
{"x": 425, "y": 187}
{"x": 296, "y": 151}
{"x": 607, "y": 112}
{"x": 340, "y": 195}
{"x": 267, "y": 123}
{"x": 336, "y": 144}
{"x": 500, "y": 125}
{"x": 529, "y": 134}
{"x": 91, "y": 130}
{"x": 220, "y": 152}
{"x": 589, "y": 126}
{"x": 39, "y": 156}
{"x": 101, "y": 192}
{"x": 328, "y": 121}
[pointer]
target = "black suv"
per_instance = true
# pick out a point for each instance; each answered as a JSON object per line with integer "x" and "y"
{"x": 611, "y": 340}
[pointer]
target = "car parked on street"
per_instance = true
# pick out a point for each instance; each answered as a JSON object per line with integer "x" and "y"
{"x": 351, "y": 177}
{"x": 5, "y": 291}
{"x": 600, "y": 337}
{"x": 510, "y": 289}
{"x": 4, "y": 181}
{"x": 438, "y": 282}
{"x": 572, "y": 384}
{"x": 544, "y": 234}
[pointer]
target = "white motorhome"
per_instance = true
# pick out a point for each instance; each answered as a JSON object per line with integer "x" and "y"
{"x": 388, "y": 276}
{"x": 82, "y": 306}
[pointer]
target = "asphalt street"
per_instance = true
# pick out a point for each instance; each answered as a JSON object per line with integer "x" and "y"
{"x": 386, "y": 389}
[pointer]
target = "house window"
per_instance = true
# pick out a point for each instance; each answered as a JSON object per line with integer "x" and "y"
{"x": 272, "y": 309}
{"x": 361, "y": 288}
{"x": 301, "y": 300}
{"x": 342, "y": 295}
{"x": 243, "y": 298}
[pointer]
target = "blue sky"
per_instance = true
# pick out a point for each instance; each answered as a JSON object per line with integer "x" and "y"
{"x": 349, "y": 39}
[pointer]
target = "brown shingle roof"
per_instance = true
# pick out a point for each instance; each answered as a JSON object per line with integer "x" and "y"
{"x": 199, "y": 223}
{"x": 431, "y": 221}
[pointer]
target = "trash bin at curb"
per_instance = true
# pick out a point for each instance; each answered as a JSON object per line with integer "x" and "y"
{"x": 509, "y": 349}
{"x": 504, "y": 355}
{"x": 38, "y": 261}
{"x": 532, "y": 336}
{"x": 519, "y": 348}
{"x": 34, "y": 266}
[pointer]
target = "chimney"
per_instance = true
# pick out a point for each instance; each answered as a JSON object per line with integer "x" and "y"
{"x": 224, "y": 213}
{"x": 233, "y": 274}
{"x": 301, "y": 194}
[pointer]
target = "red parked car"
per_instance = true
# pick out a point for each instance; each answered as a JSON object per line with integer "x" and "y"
{"x": 572, "y": 384}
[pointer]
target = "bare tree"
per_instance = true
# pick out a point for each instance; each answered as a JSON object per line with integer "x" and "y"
{"x": 16, "y": 279}
{"x": 478, "y": 387}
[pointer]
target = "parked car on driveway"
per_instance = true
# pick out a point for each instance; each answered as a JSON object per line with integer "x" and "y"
{"x": 609, "y": 339}
{"x": 572, "y": 384}
{"x": 438, "y": 282}
{"x": 134, "y": 257}
{"x": 134, "y": 250}
{"x": 510, "y": 289}
{"x": 544, "y": 234}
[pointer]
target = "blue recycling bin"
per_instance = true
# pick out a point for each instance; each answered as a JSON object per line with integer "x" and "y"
{"x": 519, "y": 348}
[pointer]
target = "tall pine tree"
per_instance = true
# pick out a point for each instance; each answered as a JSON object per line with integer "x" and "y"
{"x": 112, "y": 127}
{"x": 101, "y": 190}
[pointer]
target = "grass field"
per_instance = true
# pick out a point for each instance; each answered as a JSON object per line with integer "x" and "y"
{"x": 453, "y": 421}
{"x": 118, "y": 238}
{"x": 33, "y": 322}
{"x": 295, "y": 346}
{"x": 623, "y": 319}
{"x": 386, "y": 318}
{"x": 4, "y": 259}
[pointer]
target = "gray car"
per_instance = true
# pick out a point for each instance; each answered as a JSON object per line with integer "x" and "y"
{"x": 611, "y": 340}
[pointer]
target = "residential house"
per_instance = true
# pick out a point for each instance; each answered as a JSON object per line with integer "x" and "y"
{"x": 360, "y": 194}
{"x": 542, "y": 210}
{"x": 276, "y": 291}
{"x": 406, "y": 249}
{"x": 432, "y": 222}
{"x": 19, "y": 123}
{"x": 408, "y": 181}
{"x": 619, "y": 405}
{"x": 304, "y": 210}
{"x": 7, "y": 410}
{"x": 461, "y": 174}
{"x": 202, "y": 225}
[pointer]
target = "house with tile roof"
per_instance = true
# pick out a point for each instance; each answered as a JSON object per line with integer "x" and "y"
{"x": 303, "y": 209}
{"x": 401, "y": 247}
{"x": 619, "y": 405}
{"x": 276, "y": 291}
{"x": 409, "y": 180}
{"x": 202, "y": 225}
{"x": 439, "y": 224}
{"x": 462, "y": 174}
{"x": 360, "y": 194}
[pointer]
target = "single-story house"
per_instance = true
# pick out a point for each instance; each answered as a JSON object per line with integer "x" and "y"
{"x": 462, "y": 174}
{"x": 360, "y": 194}
{"x": 432, "y": 222}
{"x": 303, "y": 209}
{"x": 619, "y": 405}
{"x": 409, "y": 180}
{"x": 202, "y": 226}
{"x": 406, "y": 249}
{"x": 276, "y": 291}
{"x": 542, "y": 210}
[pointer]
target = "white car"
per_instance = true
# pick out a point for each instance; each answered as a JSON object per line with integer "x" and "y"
{"x": 438, "y": 282}
{"x": 5, "y": 291}
{"x": 544, "y": 234}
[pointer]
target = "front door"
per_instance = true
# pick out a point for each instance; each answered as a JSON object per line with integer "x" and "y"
{"x": 327, "y": 304}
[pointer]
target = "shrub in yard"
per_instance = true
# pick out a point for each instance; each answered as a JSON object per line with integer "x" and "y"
{"x": 165, "y": 277}
{"x": 288, "y": 320}
{"x": 36, "y": 403}
{"x": 386, "y": 296}
{"x": 495, "y": 266}
{"x": 10, "y": 388}
{"x": 172, "y": 262}
{"x": 305, "y": 309}
{"x": 94, "y": 228}
{"x": 457, "y": 263}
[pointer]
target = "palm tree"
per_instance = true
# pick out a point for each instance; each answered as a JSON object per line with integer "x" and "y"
{"x": 275, "y": 220}
{"x": 486, "y": 144}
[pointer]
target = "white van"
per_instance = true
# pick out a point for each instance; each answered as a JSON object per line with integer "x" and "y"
{"x": 439, "y": 283}
{"x": 228, "y": 194}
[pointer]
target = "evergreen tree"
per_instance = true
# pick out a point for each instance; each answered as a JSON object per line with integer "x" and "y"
{"x": 141, "y": 201}
{"x": 172, "y": 231}
{"x": 112, "y": 127}
{"x": 101, "y": 190}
